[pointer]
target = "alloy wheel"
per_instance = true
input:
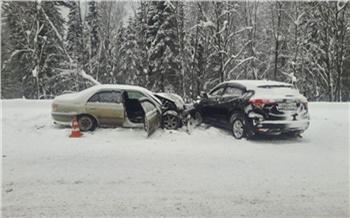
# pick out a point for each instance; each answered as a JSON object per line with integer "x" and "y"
{"x": 170, "y": 122}
{"x": 238, "y": 129}
{"x": 86, "y": 123}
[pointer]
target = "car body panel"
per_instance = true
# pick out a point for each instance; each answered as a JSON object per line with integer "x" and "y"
{"x": 106, "y": 113}
{"x": 283, "y": 106}
{"x": 176, "y": 99}
{"x": 152, "y": 117}
{"x": 110, "y": 105}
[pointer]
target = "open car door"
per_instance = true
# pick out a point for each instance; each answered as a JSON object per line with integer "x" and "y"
{"x": 152, "y": 116}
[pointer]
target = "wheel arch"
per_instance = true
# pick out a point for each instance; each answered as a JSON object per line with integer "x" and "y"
{"x": 171, "y": 112}
{"x": 234, "y": 113}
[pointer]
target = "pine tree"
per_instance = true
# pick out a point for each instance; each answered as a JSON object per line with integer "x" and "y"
{"x": 93, "y": 44}
{"x": 35, "y": 43}
{"x": 163, "y": 47}
{"x": 74, "y": 37}
{"x": 141, "y": 51}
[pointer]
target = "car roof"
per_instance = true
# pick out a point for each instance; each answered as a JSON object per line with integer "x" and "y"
{"x": 84, "y": 95}
{"x": 117, "y": 86}
{"x": 123, "y": 87}
{"x": 253, "y": 84}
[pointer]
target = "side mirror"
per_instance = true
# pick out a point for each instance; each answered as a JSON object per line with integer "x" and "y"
{"x": 203, "y": 94}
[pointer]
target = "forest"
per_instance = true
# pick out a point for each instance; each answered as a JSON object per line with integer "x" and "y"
{"x": 54, "y": 47}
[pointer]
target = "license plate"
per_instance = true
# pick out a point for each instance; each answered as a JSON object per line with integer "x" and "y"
{"x": 287, "y": 106}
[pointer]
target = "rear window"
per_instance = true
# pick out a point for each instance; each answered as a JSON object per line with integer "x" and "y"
{"x": 276, "y": 90}
{"x": 276, "y": 86}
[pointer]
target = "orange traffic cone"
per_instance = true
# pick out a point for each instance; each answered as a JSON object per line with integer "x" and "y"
{"x": 76, "y": 131}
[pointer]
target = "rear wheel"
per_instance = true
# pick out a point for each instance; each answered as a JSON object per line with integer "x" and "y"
{"x": 239, "y": 126}
{"x": 86, "y": 123}
{"x": 294, "y": 134}
{"x": 170, "y": 122}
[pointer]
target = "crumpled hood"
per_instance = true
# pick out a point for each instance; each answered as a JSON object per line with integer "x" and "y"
{"x": 179, "y": 102}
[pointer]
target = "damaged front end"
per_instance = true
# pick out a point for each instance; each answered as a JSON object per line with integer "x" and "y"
{"x": 175, "y": 113}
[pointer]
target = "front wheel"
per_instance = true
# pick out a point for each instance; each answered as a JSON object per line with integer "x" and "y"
{"x": 86, "y": 123}
{"x": 170, "y": 122}
{"x": 239, "y": 126}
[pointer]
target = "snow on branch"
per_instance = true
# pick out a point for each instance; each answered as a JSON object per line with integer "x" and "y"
{"x": 297, "y": 21}
{"x": 65, "y": 72}
{"x": 16, "y": 52}
{"x": 224, "y": 27}
{"x": 240, "y": 63}
{"x": 19, "y": 51}
{"x": 206, "y": 24}
{"x": 341, "y": 7}
{"x": 169, "y": 4}
{"x": 226, "y": 12}
{"x": 243, "y": 29}
{"x": 89, "y": 77}
{"x": 81, "y": 72}
{"x": 53, "y": 26}
{"x": 234, "y": 56}
{"x": 239, "y": 31}
{"x": 57, "y": 34}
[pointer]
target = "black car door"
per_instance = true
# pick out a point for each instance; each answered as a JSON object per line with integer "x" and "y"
{"x": 231, "y": 100}
{"x": 209, "y": 107}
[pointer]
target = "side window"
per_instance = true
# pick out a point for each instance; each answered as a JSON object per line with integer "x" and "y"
{"x": 95, "y": 98}
{"x": 217, "y": 92}
{"x": 106, "y": 97}
{"x": 148, "y": 106}
{"x": 232, "y": 91}
{"x": 135, "y": 95}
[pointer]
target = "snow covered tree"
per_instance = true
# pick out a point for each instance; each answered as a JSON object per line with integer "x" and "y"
{"x": 163, "y": 48}
{"x": 226, "y": 49}
{"x": 35, "y": 43}
{"x": 111, "y": 21}
{"x": 74, "y": 38}
{"x": 141, "y": 51}
{"x": 325, "y": 47}
{"x": 129, "y": 52}
{"x": 93, "y": 42}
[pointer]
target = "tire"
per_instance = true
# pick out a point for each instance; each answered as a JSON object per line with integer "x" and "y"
{"x": 238, "y": 126}
{"x": 170, "y": 122}
{"x": 294, "y": 134}
{"x": 86, "y": 123}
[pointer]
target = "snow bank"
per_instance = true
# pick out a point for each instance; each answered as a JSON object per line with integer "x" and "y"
{"x": 118, "y": 172}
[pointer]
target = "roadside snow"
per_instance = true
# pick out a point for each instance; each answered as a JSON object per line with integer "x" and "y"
{"x": 119, "y": 172}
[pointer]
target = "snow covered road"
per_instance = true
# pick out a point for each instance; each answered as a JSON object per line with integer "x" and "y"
{"x": 121, "y": 173}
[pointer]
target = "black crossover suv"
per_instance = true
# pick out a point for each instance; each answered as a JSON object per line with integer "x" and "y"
{"x": 248, "y": 107}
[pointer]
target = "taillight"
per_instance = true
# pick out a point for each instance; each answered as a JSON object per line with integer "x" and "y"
{"x": 260, "y": 103}
{"x": 54, "y": 106}
{"x": 305, "y": 103}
